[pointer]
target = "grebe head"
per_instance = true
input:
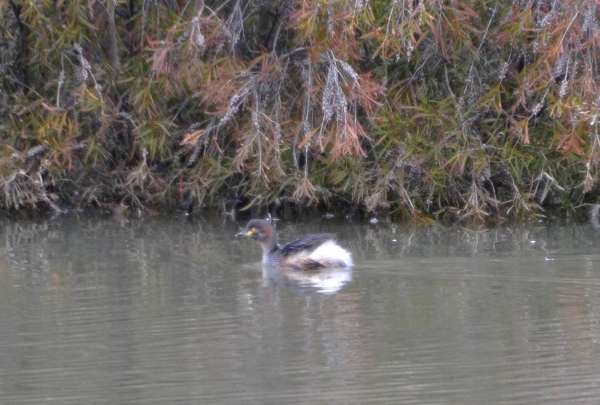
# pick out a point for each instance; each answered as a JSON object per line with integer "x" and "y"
{"x": 260, "y": 230}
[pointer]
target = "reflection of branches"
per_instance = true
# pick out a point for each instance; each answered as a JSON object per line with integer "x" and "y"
{"x": 595, "y": 215}
{"x": 16, "y": 233}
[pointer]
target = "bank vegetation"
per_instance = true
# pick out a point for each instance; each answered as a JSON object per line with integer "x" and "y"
{"x": 428, "y": 109}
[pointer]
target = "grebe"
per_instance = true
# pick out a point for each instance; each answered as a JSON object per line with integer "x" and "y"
{"x": 311, "y": 252}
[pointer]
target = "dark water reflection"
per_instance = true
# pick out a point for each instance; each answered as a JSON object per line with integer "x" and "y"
{"x": 173, "y": 311}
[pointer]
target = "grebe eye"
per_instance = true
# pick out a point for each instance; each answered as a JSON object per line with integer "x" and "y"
{"x": 253, "y": 230}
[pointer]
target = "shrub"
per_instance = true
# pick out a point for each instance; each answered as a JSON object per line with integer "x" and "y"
{"x": 429, "y": 109}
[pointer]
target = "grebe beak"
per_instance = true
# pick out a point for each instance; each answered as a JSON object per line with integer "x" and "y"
{"x": 243, "y": 233}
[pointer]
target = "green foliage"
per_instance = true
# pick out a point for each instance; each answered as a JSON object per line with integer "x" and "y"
{"x": 470, "y": 110}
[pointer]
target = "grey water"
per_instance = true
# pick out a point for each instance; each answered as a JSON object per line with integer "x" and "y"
{"x": 161, "y": 310}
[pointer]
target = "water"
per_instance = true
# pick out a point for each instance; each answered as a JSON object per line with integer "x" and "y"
{"x": 168, "y": 310}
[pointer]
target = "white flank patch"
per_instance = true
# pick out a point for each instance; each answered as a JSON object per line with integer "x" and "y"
{"x": 331, "y": 251}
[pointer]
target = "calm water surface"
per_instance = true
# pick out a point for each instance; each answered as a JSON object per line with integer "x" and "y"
{"x": 170, "y": 310}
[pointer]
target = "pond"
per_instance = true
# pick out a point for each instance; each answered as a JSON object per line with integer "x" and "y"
{"x": 174, "y": 309}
